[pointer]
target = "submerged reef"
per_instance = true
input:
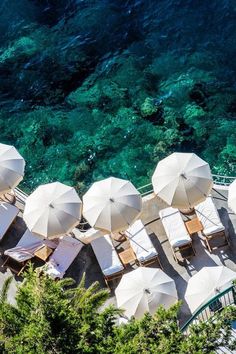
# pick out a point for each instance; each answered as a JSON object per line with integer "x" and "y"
{"x": 93, "y": 89}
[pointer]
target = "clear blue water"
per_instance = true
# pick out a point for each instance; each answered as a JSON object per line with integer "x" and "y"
{"x": 97, "y": 88}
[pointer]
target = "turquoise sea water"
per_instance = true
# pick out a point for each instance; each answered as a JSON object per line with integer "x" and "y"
{"x": 96, "y": 88}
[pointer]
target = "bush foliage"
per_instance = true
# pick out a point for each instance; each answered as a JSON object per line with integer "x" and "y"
{"x": 58, "y": 317}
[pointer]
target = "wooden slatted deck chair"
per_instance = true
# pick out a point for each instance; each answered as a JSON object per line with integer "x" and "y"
{"x": 18, "y": 256}
{"x": 108, "y": 258}
{"x": 63, "y": 256}
{"x": 208, "y": 214}
{"x": 8, "y": 213}
{"x": 176, "y": 231}
{"x": 141, "y": 244}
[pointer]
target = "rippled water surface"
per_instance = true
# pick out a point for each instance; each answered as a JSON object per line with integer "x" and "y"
{"x": 97, "y": 88}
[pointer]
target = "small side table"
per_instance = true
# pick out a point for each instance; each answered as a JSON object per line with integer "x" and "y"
{"x": 193, "y": 226}
{"x": 43, "y": 253}
{"x": 127, "y": 256}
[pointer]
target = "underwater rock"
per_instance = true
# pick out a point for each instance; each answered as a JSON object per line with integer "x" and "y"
{"x": 199, "y": 94}
{"x": 85, "y": 96}
{"x": 152, "y": 110}
{"x": 23, "y": 47}
{"x": 192, "y": 113}
{"x": 104, "y": 94}
{"x": 148, "y": 107}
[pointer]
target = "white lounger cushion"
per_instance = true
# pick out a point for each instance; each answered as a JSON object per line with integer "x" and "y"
{"x": 27, "y": 246}
{"x": 174, "y": 227}
{"x": 140, "y": 241}
{"x": 65, "y": 253}
{"x": 8, "y": 214}
{"x": 106, "y": 255}
{"x": 209, "y": 217}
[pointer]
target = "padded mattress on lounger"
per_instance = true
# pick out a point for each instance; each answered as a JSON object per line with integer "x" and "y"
{"x": 209, "y": 217}
{"x": 140, "y": 241}
{"x": 174, "y": 227}
{"x": 106, "y": 255}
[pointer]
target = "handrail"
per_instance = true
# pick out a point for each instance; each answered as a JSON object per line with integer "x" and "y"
{"x": 217, "y": 179}
{"x": 223, "y": 180}
{"x": 148, "y": 188}
{"x": 203, "y": 307}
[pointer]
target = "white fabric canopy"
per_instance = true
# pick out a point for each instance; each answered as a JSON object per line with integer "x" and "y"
{"x": 206, "y": 284}
{"x": 12, "y": 167}
{"x": 232, "y": 196}
{"x": 112, "y": 204}
{"x": 143, "y": 290}
{"x": 182, "y": 180}
{"x": 53, "y": 209}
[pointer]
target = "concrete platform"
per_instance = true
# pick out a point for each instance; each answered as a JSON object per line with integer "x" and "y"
{"x": 180, "y": 272}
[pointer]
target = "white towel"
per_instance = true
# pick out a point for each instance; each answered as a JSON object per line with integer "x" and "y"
{"x": 209, "y": 217}
{"x": 140, "y": 241}
{"x": 65, "y": 253}
{"x": 106, "y": 255}
{"x": 174, "y": 227}
{"x": 27, "y": 246}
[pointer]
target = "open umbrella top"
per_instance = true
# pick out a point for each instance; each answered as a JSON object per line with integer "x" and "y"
{"x": 112, "y": 204}
{"x": 232, "y": 196}
{"x": 12, "y": 167}
{"x": 206, "y": 284}
{"x": 53, "y": 209}
{"x": 143, "y": 290}
{"x": 182, "y": 180}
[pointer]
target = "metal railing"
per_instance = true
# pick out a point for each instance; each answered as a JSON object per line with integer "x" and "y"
{"x": 216, "y": 304}
{"x": 223, "y": 180}
{"x": 217, "y": 179}
{"x": 20, "y": 197}
{"x": 147, "y": 188}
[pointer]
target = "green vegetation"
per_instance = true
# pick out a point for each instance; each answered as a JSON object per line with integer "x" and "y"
{"x": 57, "y": 317}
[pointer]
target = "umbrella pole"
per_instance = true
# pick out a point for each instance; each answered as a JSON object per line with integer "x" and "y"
{"x": 189, "y": 211}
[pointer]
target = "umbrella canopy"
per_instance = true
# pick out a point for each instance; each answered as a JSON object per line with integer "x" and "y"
{"x": 112, "y": 204}
{"x": 12, "y": 167}
{"x": 182, "y": 180}
{"x": 206, "y": 284}
{"x": 232, "y": 196}
{"x": 53, "y": 209}
{"x": 143, "y": 290}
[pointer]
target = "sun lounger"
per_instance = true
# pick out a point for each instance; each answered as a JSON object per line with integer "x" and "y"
{"x": 175, "y": 230}
{"x": 24, "y": 251}
{"x": 141, "y": 244}
{"x": 107, "y": 257}
{"x": 209, "y": 217}
{"x": 63, "y": 256}
{"x": 8, "y": 214}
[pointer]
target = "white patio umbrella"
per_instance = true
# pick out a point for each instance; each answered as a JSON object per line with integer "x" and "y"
{"x": 12, "y": 167}
{"x": 182, "y": 180}
{"x": 53, "y": 209}
{"x": 206, "y": 284}
{"x": 143, "y": 290}
{"x": 112, "y": 204}
{"x": 232, "y": 196}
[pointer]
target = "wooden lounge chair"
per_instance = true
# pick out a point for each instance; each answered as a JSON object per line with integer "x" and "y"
{"x": 212, "y": 226}
{"x": 8, "y": 213}
{"x": 107, "y": 257}
{"x": 176, "y": 231}
{"x": 63, "y": 256}
{"x": 18, "y": 256}
{"x": 141, "y": 244}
